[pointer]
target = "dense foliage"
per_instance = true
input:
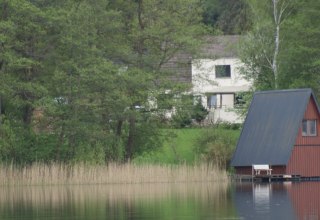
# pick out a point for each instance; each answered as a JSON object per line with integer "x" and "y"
{"x": 217, "y": 145}
{"x": 282, "y": 49}
{"x": 77, "y": 76}
{"x": 78, "y": 79}
{"x": 227, "y": 16}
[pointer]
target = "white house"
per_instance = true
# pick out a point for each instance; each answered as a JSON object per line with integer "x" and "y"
{"x": 217, "y": 81}
{"x": 215, "y": 77}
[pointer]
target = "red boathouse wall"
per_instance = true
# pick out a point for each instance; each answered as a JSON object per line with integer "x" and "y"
{"x": 305, "y": 157}
{"x": 248, "y": 170}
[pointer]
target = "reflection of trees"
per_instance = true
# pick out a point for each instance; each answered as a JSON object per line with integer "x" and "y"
{"x": 127, "y": 201}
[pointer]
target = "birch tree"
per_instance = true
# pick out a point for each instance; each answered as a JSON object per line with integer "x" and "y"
{"x": 261, "y": 48}
{"x": 280, "y": 11}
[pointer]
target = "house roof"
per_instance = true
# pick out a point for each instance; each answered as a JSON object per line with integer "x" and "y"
{"x": 215, "y": 47}
{"x": 271, "y": 127}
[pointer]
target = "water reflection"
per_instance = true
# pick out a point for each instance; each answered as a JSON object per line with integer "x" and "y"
{"x": 261, "y": 197}
{"x": 297, "y": 200}
{"x": 263, "y": 201}
{"x": 306, "y": 199}
{"x": 148, "y": 201}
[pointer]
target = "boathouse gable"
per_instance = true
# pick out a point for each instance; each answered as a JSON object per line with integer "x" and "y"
{"x": 273, "y": 132}
{"x": 305, "y": 157}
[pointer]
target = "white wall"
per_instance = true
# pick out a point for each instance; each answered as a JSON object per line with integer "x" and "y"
{"x": 204, "y": 80}
{"x": 223, "y": 115}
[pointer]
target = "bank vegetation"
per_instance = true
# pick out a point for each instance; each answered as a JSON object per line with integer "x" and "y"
{"x": 113, "y": 173}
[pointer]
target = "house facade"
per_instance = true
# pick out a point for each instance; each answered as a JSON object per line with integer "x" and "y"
{"x": 282, "y": 129}
{"x": 216, "y": 79}
{"x": 214, "y": 76}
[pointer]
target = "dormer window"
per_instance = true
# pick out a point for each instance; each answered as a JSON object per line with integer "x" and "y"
{"x": 309, "y": 128}
{"x": 223, "y": 71}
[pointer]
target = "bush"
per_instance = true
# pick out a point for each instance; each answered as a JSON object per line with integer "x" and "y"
{"x": 217, "y": 146}
{"x": 199, "y": 112}
{"x": 185, "y": 116}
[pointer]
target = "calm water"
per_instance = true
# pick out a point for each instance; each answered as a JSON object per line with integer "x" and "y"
{"x": 163, "y": 201}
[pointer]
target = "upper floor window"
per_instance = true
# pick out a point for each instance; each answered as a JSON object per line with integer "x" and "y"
{"x": 223, "y": 71}
{"x": 309, "y": 128}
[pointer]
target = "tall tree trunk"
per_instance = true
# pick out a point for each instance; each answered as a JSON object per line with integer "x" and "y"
{"x": 140, "y": 50}
{"x": 277, "y": 18}
{"x": 0, "y": 109}
{"x": 130, "y": 141}
{"x": 279, "y": 8}
{"x": 141, "y": 40}
{"x": 27, "y": 114}
{"x": 60, "y": 143}
{"x": 116, "y": 144}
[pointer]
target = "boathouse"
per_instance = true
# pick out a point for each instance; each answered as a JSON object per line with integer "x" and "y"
{"x": 281, "y": 130}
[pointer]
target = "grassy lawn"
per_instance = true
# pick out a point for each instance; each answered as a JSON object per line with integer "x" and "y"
{"x": 180, "y": 147}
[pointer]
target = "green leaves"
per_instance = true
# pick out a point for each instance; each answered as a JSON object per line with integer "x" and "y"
{"x": 79, "y": 75}
{"x": 294, "y": 63}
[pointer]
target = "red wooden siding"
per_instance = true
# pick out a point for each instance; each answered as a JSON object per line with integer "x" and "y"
{"x": 312, "y": 114}
{"x": 305, "y": 157}
{"x": 248, "y": 170}
{"x": 305, "y": 161}
{"x": 243, "y": 170}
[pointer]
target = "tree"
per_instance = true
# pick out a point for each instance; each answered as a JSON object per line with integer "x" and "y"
{"x": 155, "y": 32}
{"x": 302, "y": 49}
{"x": 260, "y": 51}
{"x": 89, "y": 68}
{"x": 228, "y": 16}
{"x": 281, "y": 51}
{"x": 25, "y": 44}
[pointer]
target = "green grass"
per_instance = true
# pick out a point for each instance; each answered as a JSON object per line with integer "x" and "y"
{"x": 180, "y": 147}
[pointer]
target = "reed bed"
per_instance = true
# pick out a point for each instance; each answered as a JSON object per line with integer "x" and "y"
{"x": 57, "y": 174}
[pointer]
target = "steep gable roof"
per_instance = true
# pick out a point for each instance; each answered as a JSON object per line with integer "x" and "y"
{"x": 271, "y": 127}
{"x": 215, "y": 47}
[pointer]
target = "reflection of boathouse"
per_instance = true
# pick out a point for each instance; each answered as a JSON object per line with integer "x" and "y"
{"x": 297, "y": 200}
{"x": 263, "y": 201}
{"x": 281, "y": 130}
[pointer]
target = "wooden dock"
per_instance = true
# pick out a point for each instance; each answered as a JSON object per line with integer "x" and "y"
{"x": 267, "y": 178}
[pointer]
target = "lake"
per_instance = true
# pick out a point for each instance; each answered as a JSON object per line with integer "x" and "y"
{"x": 300, "y": 200}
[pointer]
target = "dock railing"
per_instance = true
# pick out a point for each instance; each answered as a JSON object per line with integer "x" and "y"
{"x": 257, "y": 168}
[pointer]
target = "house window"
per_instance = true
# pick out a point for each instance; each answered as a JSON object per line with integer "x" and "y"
{"x": 309, "y": 128}
{"x": 223, "y": 71}
{"x": 212, "y": 101}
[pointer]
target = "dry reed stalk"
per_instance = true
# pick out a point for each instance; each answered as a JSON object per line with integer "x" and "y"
{"x": 56, "y": 174}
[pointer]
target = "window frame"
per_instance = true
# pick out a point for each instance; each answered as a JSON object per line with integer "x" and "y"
{"x": 308, "y": 126}
{"x": 227, "y": 69}
{"x": 209, "y": 99}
